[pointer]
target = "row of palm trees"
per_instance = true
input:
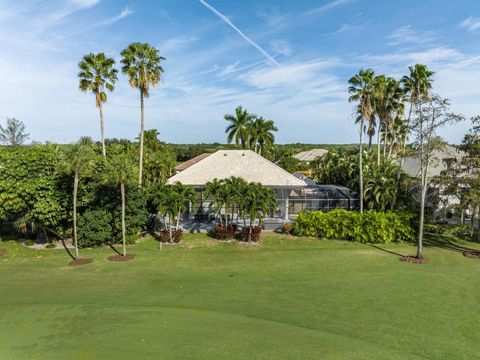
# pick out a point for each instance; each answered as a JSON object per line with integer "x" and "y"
{"x": 380, "y": 110}
{"x": 250, "y": 131}
{"x": 79, "y": 160}
{"x": 140, "y": 62}
{"x": 252, "y": 200}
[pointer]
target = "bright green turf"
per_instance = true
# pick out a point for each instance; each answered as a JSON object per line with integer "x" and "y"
{"x": 285, "y": 299}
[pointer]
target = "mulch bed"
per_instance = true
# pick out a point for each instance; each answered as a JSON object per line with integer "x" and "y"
{"x": 121, "y": 257}
{"x": 472, "y": 254}
{"x": 414, "y": 260}
{"x": 3, "y": 252}
{"x": 80, "y": 261}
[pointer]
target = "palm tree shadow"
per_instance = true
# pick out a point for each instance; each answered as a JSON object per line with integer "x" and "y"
{"x": 114, "y": 249}
{"x": 66, "y": 248}
{"x": 387, "y": 251}
{"x": 447, "y": 243}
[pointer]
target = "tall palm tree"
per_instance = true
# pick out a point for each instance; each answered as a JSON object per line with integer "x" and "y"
{"x": 261, "y": 133}
{"x": 120, "y": 170}
{"x": 389, "y": 96}
{"x": 238, "y": 130}
{"x": 97, "y": 73}
{"x": 417, "y": 85}
{"x": 141, "y": 63}
{"x": 79, "y": 160}
{"x": 362, "y": 90}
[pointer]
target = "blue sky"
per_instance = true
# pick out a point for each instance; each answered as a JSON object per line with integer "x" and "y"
{"x": 285, "y": 60}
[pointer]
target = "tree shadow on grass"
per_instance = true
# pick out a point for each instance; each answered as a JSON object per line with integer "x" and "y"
{"x": 385, "y": 250}
{"x": 114, "y": 249}
{"x": 447, "y": 243}
{"x": 66, "y": 248}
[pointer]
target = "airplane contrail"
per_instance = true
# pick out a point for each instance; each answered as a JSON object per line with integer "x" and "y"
{"x": 245, "y": 37}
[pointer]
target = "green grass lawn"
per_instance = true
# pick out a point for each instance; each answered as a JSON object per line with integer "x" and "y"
{"x": 288, "y": 298}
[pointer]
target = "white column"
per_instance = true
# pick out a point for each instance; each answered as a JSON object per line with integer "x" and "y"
{"x": 285, "y": 210}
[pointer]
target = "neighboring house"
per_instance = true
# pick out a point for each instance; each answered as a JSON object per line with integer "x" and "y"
{"x": 240, "y": 163}
{"x": 439, "y": 163}
{"x": 439, "y": 160}
{"x": 310, "y": 155}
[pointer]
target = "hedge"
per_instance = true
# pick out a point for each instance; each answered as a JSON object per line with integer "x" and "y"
{"x": 369, "y": 227}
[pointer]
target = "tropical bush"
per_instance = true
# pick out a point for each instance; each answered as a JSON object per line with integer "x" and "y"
{"x": 448, "y": 229}
{"x": 225, "y": 232}
{"x": 250, "y": 233}
{"x": 95, "y": 228}
{"x": 383, "y": 190}
{"x": 369, "y": 227}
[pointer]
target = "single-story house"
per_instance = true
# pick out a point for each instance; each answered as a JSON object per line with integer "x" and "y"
{"x": 310, "y": 155}
{"x": 245, "y": 164}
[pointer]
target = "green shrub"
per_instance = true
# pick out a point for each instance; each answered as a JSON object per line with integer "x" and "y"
{"x": 29, "y": 242}
{"x": 50, "y": 246}
{"x": 94, "y": 228}
{"x": 369, "y": 227}
{"x": 447, "y": 229}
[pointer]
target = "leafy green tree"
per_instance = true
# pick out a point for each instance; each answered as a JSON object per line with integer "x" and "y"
{"x": 141, "y": 63}
{"x": 362, "y": 90}
{"x": 159, "y": 163}
{"x": 78, "y": 160}
{"x": 289, "y": 163}
{"x": 13, "y": 133}
{"x": 97, "y": 74}
{"x": 119, "y": 171}
{"x": 238, "y": 129}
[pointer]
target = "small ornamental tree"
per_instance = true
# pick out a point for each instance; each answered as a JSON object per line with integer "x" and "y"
{"x": 431, "y": 115}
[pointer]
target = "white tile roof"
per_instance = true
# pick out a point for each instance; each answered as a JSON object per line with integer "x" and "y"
{"x": 241, "y": 163}
{"x": 310, "y": 155}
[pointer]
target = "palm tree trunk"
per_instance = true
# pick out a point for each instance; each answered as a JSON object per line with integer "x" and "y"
{"x": 102, "y": 133}
{"x": 142, "y": 124}
{"x": 75, "y": 189}
{"x": 378, "y": 141}
{"x": 385, "y": 142}
{"x": 178, "y": 221}
{"x": 360, "y": 162}
{"x": 124, "y": 243}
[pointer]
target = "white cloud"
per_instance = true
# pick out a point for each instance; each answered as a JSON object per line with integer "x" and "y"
{"x": 471, "y": 23}
{"x": 408, "y": 35}
{"x": 177, "y": 43}
{"x": 123, "y": 14}
{"x": 429, "y": 56}
{"x": 84, "y": 4}
{"x": 328, "y": 6}
{"x": 298, "y": 75}
{"x": 281, "y": 47}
